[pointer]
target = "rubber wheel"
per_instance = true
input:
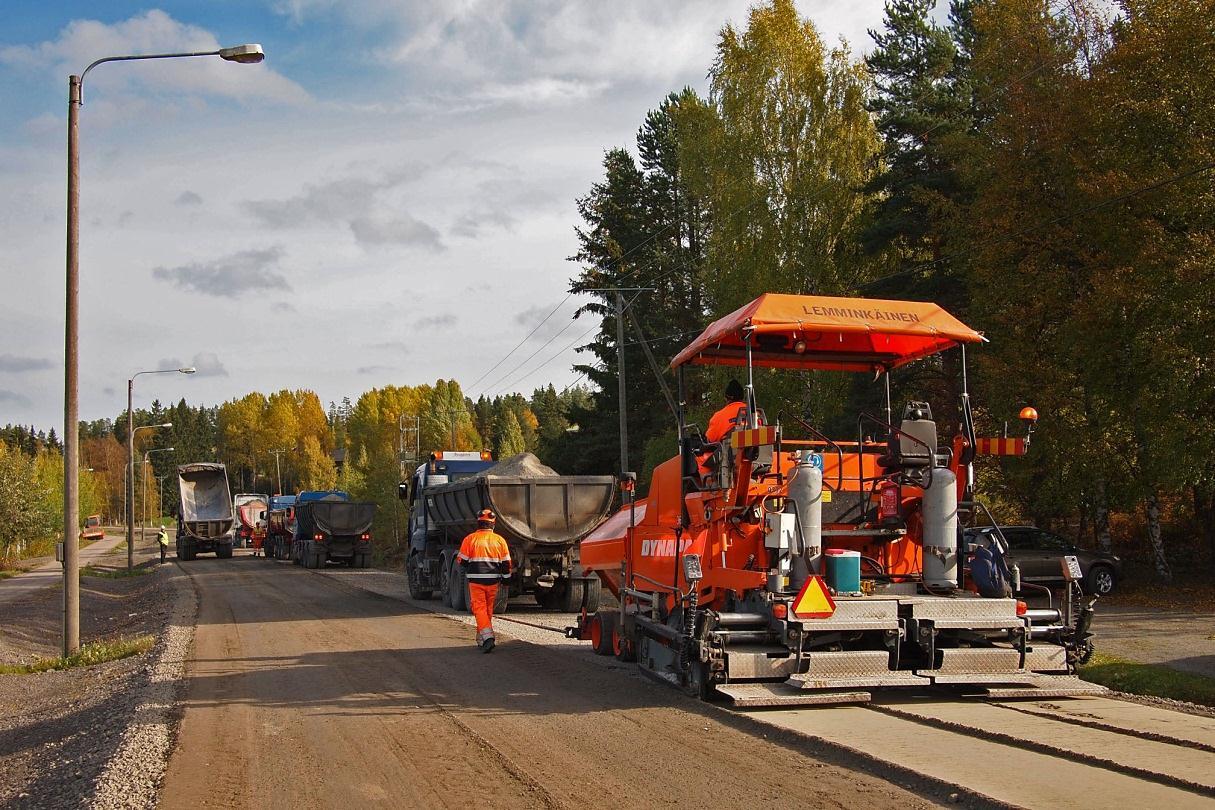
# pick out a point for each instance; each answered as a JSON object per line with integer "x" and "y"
{"x": 1100, "y": 580}
{"x": 571, "y": 601}
{"x": 445, "y": 580}
{"x": 622, "y": 647}
{"x": 502, "y": 598}
{"x": 414, "y": 578}
{"x": 458, "y": 586}
{"x": 311, "y": 560}
{"x": 364, "y": 561}
{"x": 592, "y": 595}
{"x": 603, "y": 628}
{"x": 223, "y": 552}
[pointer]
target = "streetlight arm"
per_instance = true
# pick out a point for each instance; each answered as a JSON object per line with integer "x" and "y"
{"x": 244, "y": 54}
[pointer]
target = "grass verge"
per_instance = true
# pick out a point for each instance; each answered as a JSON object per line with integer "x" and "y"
{"x": 5, "y": 573}
{"x": 97, "y": 652}
{"x": 112, "y": 573}
{"x": 1149, "y": 679}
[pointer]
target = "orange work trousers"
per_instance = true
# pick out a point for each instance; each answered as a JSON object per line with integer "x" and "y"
{"x": 481, "y": 598}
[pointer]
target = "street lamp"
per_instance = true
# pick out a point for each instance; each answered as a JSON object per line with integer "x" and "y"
{"x": 278, "y": 468}
{"x": 244, "y": 54}
{"x": 143, "y": 525}
{"x": 131, "y": 449}
{"x": 131, "y": 486}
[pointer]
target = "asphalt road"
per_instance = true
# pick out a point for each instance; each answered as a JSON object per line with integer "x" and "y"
{"x": 305, "y": 692}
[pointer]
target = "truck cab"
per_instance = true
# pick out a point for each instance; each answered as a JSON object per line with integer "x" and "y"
{"x": 443, "y": 467}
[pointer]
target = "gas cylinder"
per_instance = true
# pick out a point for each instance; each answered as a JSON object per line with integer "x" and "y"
{"x": 940, "y": 507}
{"x": 805, "y": 499}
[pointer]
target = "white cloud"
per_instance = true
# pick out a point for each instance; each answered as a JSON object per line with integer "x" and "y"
{"x": 82, "y": 41}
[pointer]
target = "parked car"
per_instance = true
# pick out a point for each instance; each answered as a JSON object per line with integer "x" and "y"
{"x": 92, "y": 528}
{"x": 1039, "y": 554}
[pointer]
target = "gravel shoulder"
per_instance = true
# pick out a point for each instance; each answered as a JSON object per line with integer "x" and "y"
{"x": 67, "y": 737}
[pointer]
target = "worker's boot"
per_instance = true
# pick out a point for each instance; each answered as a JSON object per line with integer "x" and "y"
{"x": 487, "y": 646}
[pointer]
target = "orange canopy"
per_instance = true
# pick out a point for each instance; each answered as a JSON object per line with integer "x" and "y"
{"x": 842, "y": 334}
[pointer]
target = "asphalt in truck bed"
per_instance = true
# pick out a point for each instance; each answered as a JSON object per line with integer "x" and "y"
{"x": 302, "y": 691}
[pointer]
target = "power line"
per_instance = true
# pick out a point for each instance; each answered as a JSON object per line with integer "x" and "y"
{"x": 520, "y": 343}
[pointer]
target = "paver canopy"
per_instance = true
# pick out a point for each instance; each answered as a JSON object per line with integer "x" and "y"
{"x": 821, "y": 332}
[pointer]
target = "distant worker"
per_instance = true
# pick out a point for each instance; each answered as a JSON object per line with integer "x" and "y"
{"x": 485, "y": 560}
{"x": 163, "y": 539}
{"x": 721, "y": 423}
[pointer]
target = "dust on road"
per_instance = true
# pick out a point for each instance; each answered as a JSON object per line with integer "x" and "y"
{"x": 303, "y": 692}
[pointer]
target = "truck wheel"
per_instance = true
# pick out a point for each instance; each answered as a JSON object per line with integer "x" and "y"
{"x": 572, "y": 601}
{"x": 414, "y": 577}
{"x": 309, "y": 559}
{"x": 502, "y": 598}
{"x": 592, "y": 595}
{"x": 364, "y": 561}
{"x": 445, "y": 580}
{"x": 223, "y": 552}
{"x": 603, "y": 628}
{"x": 459, "y": 588}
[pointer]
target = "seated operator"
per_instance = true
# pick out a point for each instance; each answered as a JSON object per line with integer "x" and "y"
{"x": 721, "y": 423}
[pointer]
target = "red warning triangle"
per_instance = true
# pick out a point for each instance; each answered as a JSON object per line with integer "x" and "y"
{"x": 814, "y": 600}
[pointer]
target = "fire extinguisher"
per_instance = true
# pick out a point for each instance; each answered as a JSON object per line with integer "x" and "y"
{"x": 888, "y": 504}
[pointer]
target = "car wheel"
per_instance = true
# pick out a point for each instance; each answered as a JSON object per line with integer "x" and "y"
{"x": 1100, "y": 580}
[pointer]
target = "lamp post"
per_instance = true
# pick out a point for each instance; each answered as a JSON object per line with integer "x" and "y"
{"x": 245, "y": 54}
{"x": 130, "y": 451}
{"x": 143, "y": 524}
{"x": 131, "y": 431}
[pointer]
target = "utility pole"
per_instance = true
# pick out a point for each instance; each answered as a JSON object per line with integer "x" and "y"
{"x": 278, "y": 468}
{"x": 624, "y": 422}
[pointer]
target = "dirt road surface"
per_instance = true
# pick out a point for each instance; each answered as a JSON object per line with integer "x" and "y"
{"x": 305, "y": 692}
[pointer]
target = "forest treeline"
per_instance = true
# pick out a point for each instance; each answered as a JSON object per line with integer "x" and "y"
{"x": 1043, "y": 170}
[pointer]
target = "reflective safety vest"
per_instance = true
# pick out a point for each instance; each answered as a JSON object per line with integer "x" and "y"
{"x": 163, "y": 537}
{"x": 485, "y": 556}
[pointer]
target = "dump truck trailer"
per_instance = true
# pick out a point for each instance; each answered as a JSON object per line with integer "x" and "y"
{"x": 250, "y": 509}
{"x": 542, "y": 516}
{"x": 280, "y": 526}
{"x": 329, "y": 527}
{"x": 778, "y": 565}
{"x": 205, "y": 517}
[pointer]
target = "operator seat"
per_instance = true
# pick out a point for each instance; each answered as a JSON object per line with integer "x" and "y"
{"x": 912, "y": 451}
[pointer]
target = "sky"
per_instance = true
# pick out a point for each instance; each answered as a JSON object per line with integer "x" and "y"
{"x": 389, "y": 198}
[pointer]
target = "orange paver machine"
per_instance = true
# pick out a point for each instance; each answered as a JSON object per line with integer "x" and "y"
{"x": 812, "y": 570}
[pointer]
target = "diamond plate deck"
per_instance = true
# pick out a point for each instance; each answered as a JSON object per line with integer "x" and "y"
{"x": 865, "y": 613}
{"x": 965, "y": 613}
{"x": 851, "y": 670}
{"x": 1050, "y": 686}
{"x": 759, "y": 695}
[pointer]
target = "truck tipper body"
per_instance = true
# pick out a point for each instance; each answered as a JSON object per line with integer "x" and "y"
{"x": 280, "y": 526}
{"x": 249, "y": 509}
{"x": 329, "y": 527}
{"x": 542, "y": 516}
{"x": 205, "y": 517}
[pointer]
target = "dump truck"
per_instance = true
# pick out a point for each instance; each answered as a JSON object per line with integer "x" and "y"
{"x": 204, "y": 517}
{"x": 542, "y": 516}
{"x": 778, "y": 565}
{"x": 250, "y": 517}
{"x": 329, "y": 527}
{"x": 92, "y": 528}
{"x": 280, "y": 526}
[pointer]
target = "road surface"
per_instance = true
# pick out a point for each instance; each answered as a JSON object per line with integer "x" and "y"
{"x": 51, "y": 573}
{"x": 305, "y": 692}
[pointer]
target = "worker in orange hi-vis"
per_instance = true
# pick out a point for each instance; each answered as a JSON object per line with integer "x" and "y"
{"x": 485, "y": 558}
{"x": 724, "y": 421}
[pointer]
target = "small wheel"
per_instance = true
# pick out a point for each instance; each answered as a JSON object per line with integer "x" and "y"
{"x": 603, "y": 628}
{"x": 622, "y": 646}
{"x": 1100, "y": 580}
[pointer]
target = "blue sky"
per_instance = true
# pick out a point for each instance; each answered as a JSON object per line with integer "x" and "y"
{"x": 388, "y": 198}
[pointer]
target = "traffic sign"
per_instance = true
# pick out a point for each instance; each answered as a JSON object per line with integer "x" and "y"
{"x": 814, "y": 600}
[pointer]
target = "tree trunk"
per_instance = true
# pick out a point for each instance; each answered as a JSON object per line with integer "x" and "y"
{"x": 1101, "y": 519}
{"x": 1204, "y": 516}
{"x": 1153, "y": 526}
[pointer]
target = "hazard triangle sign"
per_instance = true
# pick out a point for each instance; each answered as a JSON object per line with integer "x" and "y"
{"x": 814, "y": 600}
